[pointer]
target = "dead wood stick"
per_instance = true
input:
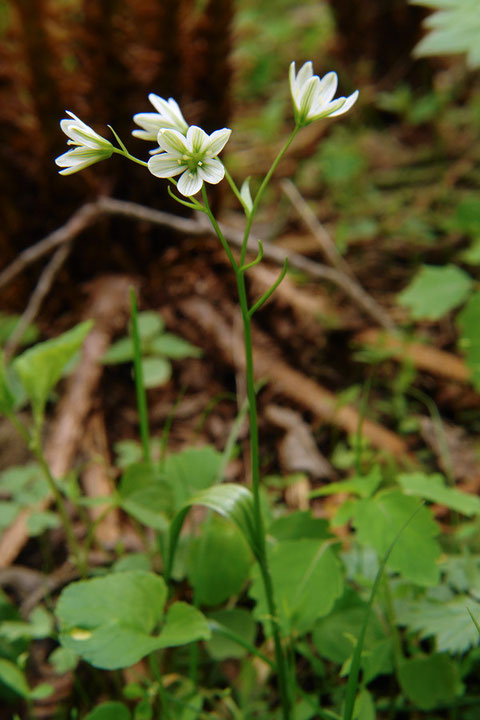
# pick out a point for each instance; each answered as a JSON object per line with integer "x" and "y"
{"x": 108, "y": 306}
{"x": 108, "y": 206}
{"x": 333, "y": 256}
{"x": 298, "y": 388}
{"x": 424, "y": 357}
{"x": 39, "y": 294}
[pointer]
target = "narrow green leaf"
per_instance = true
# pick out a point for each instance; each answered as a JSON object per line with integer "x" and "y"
{"x": 233, "y": 502}
{"x": 14, "y": 678}
{"x": 219, "y": 562}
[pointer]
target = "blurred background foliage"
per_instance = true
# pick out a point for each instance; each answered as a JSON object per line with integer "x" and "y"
{"x": 226, "y": 62}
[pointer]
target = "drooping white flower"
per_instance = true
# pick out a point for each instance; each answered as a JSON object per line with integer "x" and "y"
{"x": 168, "y": 116}
{"x": 193, "y": 155}
{"x": 313, "y": 98}
{"x": 90, "y": 146}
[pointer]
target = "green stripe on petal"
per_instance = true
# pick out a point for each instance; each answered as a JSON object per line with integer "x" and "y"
{"x": 166, "y": 165}
{"x": 172, "y": 141}
{"x": 212, "y": 171}
{"x": 189, "y": 183}
{"x": 217, "y": 141}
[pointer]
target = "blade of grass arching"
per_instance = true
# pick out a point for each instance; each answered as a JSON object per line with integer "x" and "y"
{"x": 139, "y": 384}
{"x": 473, "y": 620}
{"x": 352, "y": 684}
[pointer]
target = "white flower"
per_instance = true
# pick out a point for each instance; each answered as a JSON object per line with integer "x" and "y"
{"x": 193, "y": 155}
{"x": 312, "y": 97}
{"x": 90, "y": 146}
{"x": 168, "y": 116}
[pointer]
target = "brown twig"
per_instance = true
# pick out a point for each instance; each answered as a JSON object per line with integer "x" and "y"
{"x": 302, "y": 390}
{"x": 39, "y": 294}
{"x": 334, "y": 258}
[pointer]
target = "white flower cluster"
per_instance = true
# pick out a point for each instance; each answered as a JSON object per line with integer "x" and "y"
{"x": 183, "y": 150}
{"x": 187, "y": 150}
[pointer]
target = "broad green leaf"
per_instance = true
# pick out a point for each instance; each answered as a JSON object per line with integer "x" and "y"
{"x": 150, "y": 324}
{"x": 41, "y": 367}
{"x": 63, "y": 660}
{"x": 299, "y": 525}
{"x": 8, "y": 512}
{"x": 236, "y": 621}
{"x": 435, "y": 291}
{"x": 109, "y": 620}
{"x": 306, "y": 579}
{"x": 8, "y": 325}
{"x": 234, "y": 502}
{"x": 14, "y": 678}
{"x": 173, "y": 347}
{"x": 379, "y": 519}
{"x": 454, "y": 28}
{"x": 119, "y": 352}
{"x": 364, "y": 708}
{"x": 109, "y": 711}
{"x": 219, "y": 562}
{"x": 191, "y": 470}
{"x": 469, "y": 323}
{"x": 39, "y": 522}
{"x": 332, "y": 635}
{"x": 447, "y": 621}
{"x": 156, "y": 371}
{"x": 183, "y": 624}
{"x": 145, "y": 494}
{"x": 361, "y": 485}
{"x": 433, "y": 488}
{"x": 430, "y": 681}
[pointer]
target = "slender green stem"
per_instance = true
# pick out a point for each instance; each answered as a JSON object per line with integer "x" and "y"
{"x": 235, "y": 189}
{"x": 127, "y": 155}
{"x": 260, "y": 192}
{"x": 280, "y": 655}
{"x": 218, "y": 232}
{"x": 139, "y": 384}
{"x": 73, "y": 546}
{"x": 270, "y": 291}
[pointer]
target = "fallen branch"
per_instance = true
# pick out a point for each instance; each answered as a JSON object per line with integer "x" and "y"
{"x": 298, "y": 388}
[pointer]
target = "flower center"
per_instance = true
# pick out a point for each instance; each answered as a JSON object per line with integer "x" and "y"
{"x": 194, "y": 160}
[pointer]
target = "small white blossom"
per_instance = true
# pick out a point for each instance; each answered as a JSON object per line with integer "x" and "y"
{"x": 313, "y": 98}
{"x": 193, "y": 155}
{"x": 168, "y": 115}
{"x": 90, "y": 146}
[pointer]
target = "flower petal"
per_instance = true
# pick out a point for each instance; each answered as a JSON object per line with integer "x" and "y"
{"x": 217, "y": 141}
{"x": 165, "y": 165}
{"x": 327, "y": 88}
{"x": 197, "y": 139}
{"x": 211, "y": 171}
{"x": 349, "y": 101}
{"x": 78, "y": 159}
{"x": 189, "y": 183}
{"x": 172, "y": 141}
{"x": 304, "y": 75}
{"x": 151, "y": 124}
{"x": 170, "y": 113}
{"x": 308, "y": 95}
